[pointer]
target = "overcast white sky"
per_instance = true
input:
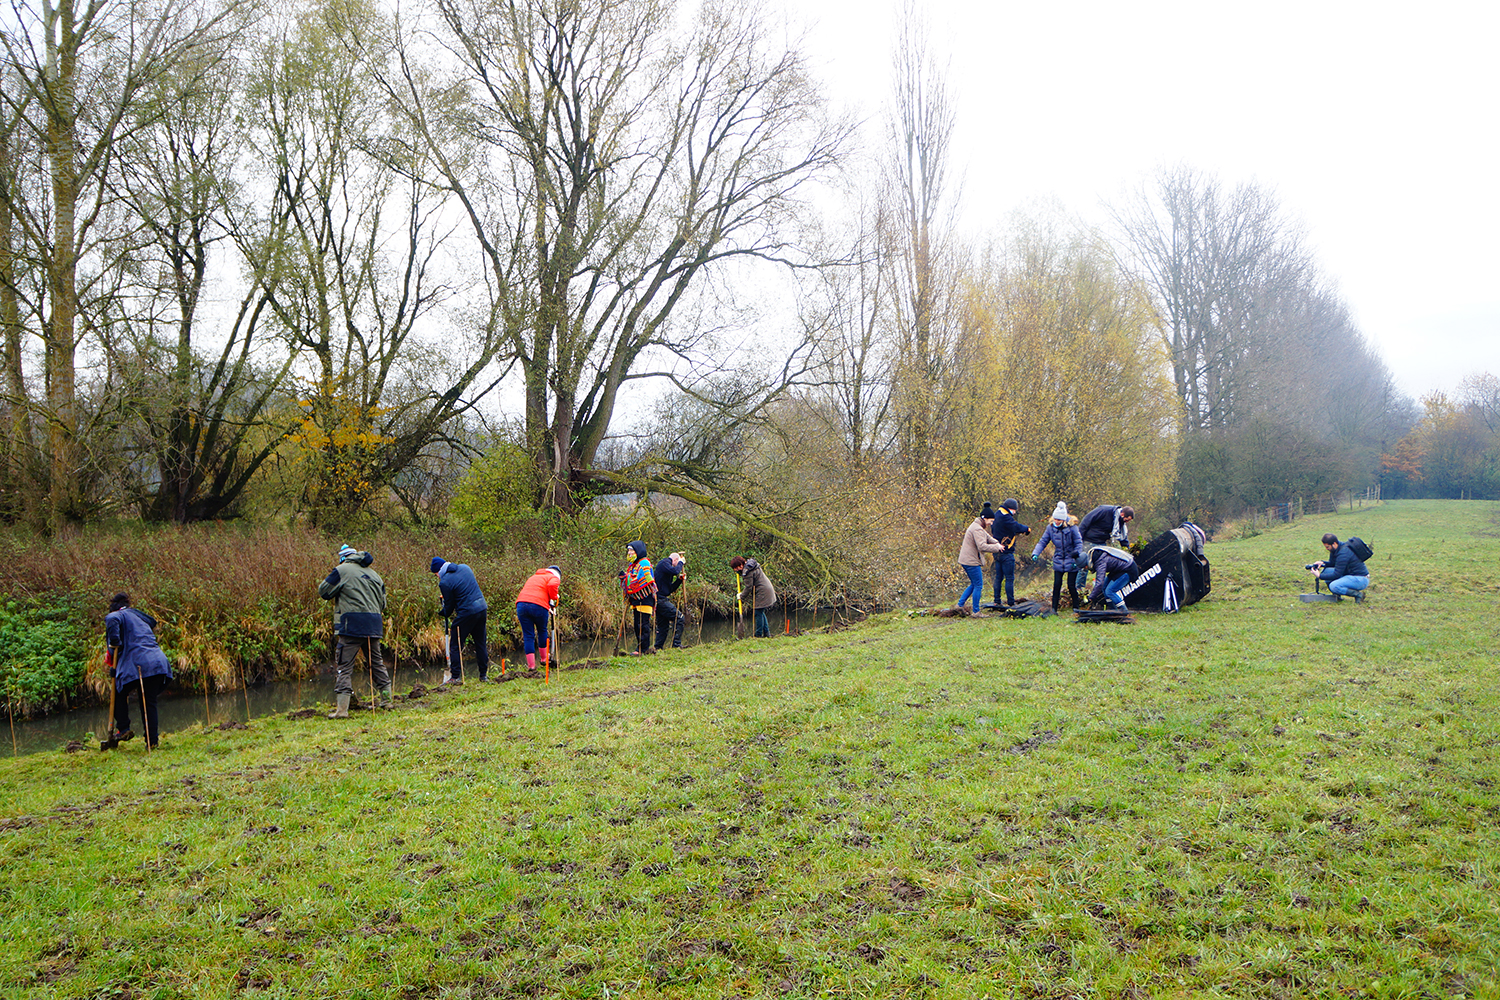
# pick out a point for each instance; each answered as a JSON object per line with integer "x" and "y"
{"x": 1377, "y": 126}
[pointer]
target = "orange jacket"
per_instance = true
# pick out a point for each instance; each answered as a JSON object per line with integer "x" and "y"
{"x": 541, "y": 589}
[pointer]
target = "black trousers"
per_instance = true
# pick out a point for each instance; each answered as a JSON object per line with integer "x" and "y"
{"x": 471, "y": 627}
{"x": 1058, "y": 575}
{"x": 148, "y": 710}
{"x": 668, "y": 617}
{"x": 643, "y": 631}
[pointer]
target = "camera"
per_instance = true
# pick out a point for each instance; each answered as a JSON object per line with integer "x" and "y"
{"x": 1316, "y": 565}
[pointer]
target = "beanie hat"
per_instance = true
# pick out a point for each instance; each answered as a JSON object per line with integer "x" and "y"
{"x": 1060, "y": 512}
{"x": 1010, "y": 504}
{"x": 437, "y": 563}
{"x": 639, "y": 548}
{"x": 347, "y": 552}
{"x": 556, "y": 570}
{"x": 988, "y": 511}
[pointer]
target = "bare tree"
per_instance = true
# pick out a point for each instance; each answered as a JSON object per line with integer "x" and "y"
{"x": 1213, "y": 259}
{"x": 352, "y": 250}
{"x": 81, "y": 72}
{"x": 926, "y": 311}
{"x": 607, "y": 166}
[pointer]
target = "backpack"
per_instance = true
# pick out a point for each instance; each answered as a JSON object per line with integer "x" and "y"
{"x": 1362, "y": 549}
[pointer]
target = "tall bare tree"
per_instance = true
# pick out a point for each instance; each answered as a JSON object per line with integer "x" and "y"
{"x": 353, "y": 247}
{"x": 927, "y": 309}
{"x": 608, "y": 164}
{"x": 1213, "y": 260}
{"x": 82, "y": 69}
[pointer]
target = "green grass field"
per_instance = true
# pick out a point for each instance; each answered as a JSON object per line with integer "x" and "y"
{"x": 1254, "y": 798}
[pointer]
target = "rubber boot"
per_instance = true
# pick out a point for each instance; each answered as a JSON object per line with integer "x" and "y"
{"x": 341, "y": 707}
{"x": 531, "y": 662}
{"x": 385, "y": 697}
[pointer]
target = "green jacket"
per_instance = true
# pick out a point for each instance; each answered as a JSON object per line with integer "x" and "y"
{"x": 358, "y": 596}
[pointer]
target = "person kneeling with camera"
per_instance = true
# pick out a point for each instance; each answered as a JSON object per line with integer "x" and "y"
{"x": 1343, "y": 571}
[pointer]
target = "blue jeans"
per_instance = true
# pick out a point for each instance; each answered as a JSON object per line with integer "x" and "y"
{"x": 1005, "y": 571}
{"x": 1348, "y": 586}
{"x": 1112, "y": 590}
{"x": 975, "y": 587}
{"x": 533, "y": 620}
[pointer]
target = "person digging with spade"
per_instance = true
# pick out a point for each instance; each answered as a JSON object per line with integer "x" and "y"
{"x": 358, "y": 596}
{"x": 465, "y": 606}
{"x": 137, "y": 663}
{"x": 535, "y": 604}
{"x": 670, "y": 574}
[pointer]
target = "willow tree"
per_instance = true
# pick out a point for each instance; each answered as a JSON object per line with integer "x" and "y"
{"x": 1071, "y": 398}
{"x": 609, "y": 162}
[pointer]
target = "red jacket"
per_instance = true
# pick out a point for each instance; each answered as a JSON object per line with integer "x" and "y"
{"x": 541, "y": 589}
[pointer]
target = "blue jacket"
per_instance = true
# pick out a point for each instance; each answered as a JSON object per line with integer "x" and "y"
{"x": 1345, "y": 563}
{"x": 132, "y": 632}
{"x": 1066, "y": 542}
{"x": 461, "y": 594}
{"x": 1006, "y": 526}
{"x": 1103, "y": 524}
{"x": 668, "y": 577}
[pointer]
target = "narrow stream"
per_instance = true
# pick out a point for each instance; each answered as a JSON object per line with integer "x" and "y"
{"x": 181, "y": 711}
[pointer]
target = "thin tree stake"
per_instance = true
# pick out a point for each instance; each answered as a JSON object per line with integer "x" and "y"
{"x": 11, "y": 712}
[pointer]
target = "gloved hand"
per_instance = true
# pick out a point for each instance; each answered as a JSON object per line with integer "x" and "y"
{"x": 552, "y": 606}
{"x": 111, "y": 673}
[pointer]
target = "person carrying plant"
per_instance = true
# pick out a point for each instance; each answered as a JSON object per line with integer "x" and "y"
{"x": 358, "y": 596}
{"x": 640, "y": 594}
{"x": 535, "y": 605}
{"x": 136, "y": 663}
{"x": 762, "y": 594}
{"x": 1004, "y": 530}
{"x": 466, "y": 612}
{"x": 1067, "y": 545}
{"x": 977, "y": 541}
{"x": 670, "y": 574}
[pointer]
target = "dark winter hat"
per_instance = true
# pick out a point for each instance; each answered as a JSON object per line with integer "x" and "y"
{"x": 557, "y": 570}
{"x": 1010, "y": 504}
{"x": 639, "y": 548}
{"x": 121, "y": 600}
{"x": 437, "y": 563}
{"x": 988, "y": 511}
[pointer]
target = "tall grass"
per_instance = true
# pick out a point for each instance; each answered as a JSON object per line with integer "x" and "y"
{"x": 238, "y": 603}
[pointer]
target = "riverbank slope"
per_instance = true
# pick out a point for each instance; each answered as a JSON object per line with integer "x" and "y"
{"x": 1256, "y": 797}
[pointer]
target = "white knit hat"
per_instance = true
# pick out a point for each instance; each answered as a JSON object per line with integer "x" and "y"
{"x": 1060, "y": 512}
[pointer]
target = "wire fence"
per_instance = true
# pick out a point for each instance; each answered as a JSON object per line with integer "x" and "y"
{"x": 1326, "y": 503}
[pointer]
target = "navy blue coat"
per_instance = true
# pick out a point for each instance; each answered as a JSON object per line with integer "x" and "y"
{"x": 1345, "y": 563}
{"x": 668, "y": 577}
{"x": 1102, "y": 524}
{"x": 132, "y": 632}
{"x": 460, "y": 590}
{"x": 1006, "y": 526}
